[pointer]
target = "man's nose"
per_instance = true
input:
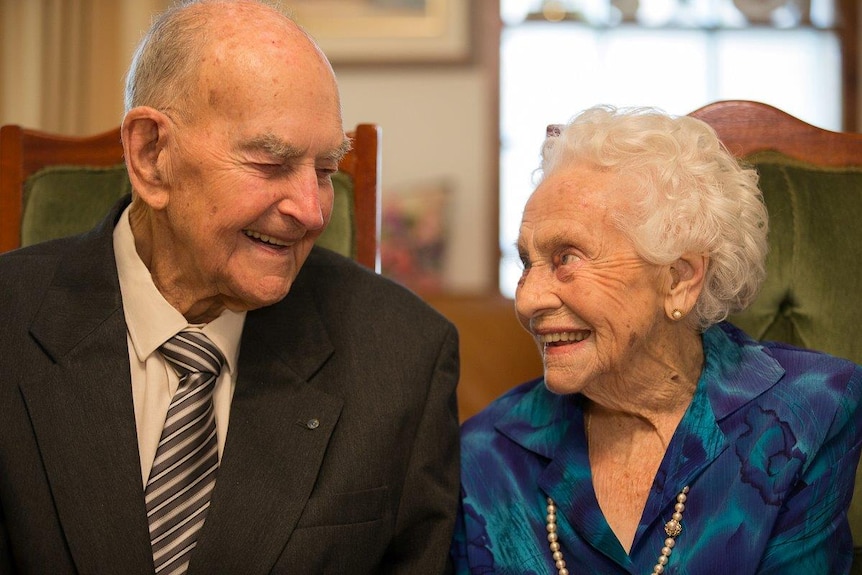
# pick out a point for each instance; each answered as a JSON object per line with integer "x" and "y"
{"x": 303, "y": 199}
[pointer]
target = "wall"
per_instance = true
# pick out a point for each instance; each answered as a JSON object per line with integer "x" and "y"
{"x": 436, "y": 127}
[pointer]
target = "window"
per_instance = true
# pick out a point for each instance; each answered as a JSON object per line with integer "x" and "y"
{"x": 677, "y": 55}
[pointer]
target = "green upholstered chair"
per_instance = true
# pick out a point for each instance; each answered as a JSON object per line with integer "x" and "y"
{"x": 812, "y": 185}
{"x": 52, "y": 186}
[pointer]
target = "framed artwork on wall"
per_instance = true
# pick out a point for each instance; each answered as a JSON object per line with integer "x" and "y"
{"x": 387, "y": 31}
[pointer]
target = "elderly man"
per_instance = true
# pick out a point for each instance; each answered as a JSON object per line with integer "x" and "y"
{"x": 192, "y": 386}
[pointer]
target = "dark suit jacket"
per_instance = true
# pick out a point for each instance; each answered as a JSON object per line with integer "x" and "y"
{"x": 371, "y": 489}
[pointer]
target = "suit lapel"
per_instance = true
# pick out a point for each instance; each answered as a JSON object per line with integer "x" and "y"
{"x": 280, "y": 426}
{"x": 80, "y": 405}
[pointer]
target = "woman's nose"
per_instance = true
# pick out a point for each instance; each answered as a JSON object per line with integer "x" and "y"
{"x": 535, "y": 292}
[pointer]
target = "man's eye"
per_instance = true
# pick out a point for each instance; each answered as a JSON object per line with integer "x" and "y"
{"x": 268, "y": 168}
{"x": 325, "y": 174}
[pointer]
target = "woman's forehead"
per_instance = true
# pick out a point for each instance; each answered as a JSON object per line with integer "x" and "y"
{"x": 578, "y": 190}
{"x": 574, "y": 205}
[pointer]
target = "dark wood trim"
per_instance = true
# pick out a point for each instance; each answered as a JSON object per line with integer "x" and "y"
{"x": 363, "y": 163}
{"x": 848, "y": 26}
{"x": 488, "y": 43}
{"x": 11, "y": 174}
{"x": 748, "y": 127}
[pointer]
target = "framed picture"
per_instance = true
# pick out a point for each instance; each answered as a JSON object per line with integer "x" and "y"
{"x": 387, "y": 31}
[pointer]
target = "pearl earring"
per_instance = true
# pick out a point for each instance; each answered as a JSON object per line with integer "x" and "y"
{"x": 676, "y": 315}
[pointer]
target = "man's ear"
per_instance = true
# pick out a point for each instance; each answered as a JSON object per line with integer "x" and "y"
{"x": 685, "y": 282}
{"x": 145, "y": 133}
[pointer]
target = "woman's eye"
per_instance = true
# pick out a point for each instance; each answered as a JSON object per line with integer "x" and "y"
{"x": 566, "y": 259}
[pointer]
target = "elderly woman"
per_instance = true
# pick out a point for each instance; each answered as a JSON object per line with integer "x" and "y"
{"x": 661, "y": 438}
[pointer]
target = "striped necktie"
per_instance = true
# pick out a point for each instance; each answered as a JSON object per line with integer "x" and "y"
{"x": 184, "y": 470}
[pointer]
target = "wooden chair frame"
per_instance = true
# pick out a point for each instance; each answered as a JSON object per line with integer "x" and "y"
{"x": 746, "y": 127}
{"x": 23, "y": 152}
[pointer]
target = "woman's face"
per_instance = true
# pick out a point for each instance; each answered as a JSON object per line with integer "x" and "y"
{"x": 594, "y": 306}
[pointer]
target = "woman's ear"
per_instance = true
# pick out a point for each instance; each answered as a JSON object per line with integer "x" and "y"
{"x": 145, "y": 134}
{"x": 686, "y": 278}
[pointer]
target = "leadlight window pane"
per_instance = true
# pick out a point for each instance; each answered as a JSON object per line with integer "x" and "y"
{"x": 549, "y": 71}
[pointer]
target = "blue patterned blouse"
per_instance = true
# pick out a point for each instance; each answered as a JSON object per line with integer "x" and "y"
{"x": 769, "y": 447}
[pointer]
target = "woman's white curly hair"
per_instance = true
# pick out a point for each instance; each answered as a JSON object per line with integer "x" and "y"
{"x": 692, "y": 196}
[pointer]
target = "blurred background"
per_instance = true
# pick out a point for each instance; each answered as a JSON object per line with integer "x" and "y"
{"x": 463, "y": 90}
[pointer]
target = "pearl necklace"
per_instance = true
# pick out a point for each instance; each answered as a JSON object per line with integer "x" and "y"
{"x": 672, "y": 528}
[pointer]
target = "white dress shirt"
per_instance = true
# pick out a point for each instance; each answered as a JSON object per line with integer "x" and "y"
{"x": 151, "y": 321}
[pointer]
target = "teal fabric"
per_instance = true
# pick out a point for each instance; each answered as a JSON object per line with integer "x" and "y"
{"x": 65, "y": 200}
{"x": 768, "y": 447}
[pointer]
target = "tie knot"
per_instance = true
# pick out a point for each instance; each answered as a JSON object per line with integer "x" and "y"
{"x": 192, "y": 352}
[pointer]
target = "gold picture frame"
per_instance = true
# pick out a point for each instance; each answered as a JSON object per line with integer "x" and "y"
{"x": 387, "y": 31}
